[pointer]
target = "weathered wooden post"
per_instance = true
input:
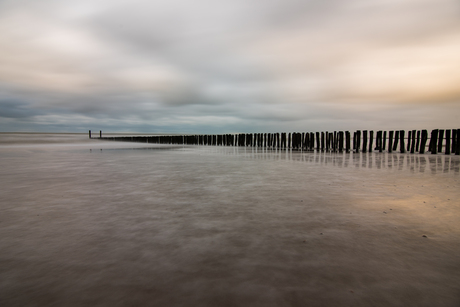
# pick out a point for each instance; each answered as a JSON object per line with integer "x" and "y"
{"x": 378, "y": 138}
{"x": 355, "y": 141}
{"x": 371, "y": 140}
{"x": 434, "y": 139}
{"x": 401, "y": 140}
{"x": 100, "y": 134}
{"x": 412, "y": 148}
{"x": 448, "y": 142}
{"x": 89, "y": 134}
{"x": 322, "y": 141}
{"x": 457, "y": 150}
{"x": 318, "y": 146}
{"x": 396, "y": 141}
{"x": 296, "y": 141}
{"x": 384, "y": 140}
{"x": 340, "y": 141}
{"x": 454, "y": 140}
{"x": 347, "y": 142}
{"x": 358, "y": 140}
{"x": 440, "y": 139}
{"x": 418, "y": 141}
{"x": 300, "y": 141}
{"x": 390, "y": 141}
{"x": 335, "y": 143}
{"x": 408, "y": 140}
{"x": 331, "y": 141}
{"x": 429, "y": 144}
{"x": 364, "y": 140}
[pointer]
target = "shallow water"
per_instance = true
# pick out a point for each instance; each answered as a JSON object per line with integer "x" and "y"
{"x": 88, "y": 222}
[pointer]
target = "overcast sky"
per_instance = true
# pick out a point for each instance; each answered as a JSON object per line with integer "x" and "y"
{"x": 203, "y": 66}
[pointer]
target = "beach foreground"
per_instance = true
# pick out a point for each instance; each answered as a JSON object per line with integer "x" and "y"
{"x": 95, "y": 223}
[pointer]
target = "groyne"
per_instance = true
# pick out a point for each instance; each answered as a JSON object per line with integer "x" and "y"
{"x": 445, "y": 141}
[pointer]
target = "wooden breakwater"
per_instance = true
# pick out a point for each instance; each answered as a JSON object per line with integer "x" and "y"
{"x": 438, "y": 141}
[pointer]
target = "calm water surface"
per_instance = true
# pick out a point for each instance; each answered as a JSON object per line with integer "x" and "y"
{"x": 89, "y": 222}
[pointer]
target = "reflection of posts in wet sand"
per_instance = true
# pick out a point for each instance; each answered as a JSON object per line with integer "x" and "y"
{"x": 390, "y": 161}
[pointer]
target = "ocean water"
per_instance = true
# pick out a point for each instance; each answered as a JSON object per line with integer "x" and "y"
{"x": 101, "y": 223}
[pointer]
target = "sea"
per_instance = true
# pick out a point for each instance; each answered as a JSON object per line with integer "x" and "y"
{"x": 90, "y": 222}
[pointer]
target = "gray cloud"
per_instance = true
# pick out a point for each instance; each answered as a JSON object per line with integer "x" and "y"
{"x": 203, "y": 66}
{"x": 11, "y": 108}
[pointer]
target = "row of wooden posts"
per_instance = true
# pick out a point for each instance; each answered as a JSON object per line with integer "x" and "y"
{"x": 440, "y": 140}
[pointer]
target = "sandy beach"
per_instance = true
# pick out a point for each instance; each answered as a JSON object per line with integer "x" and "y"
{"x": 92, "y": 223}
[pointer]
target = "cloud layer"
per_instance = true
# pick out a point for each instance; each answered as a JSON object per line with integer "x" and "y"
{"x": 229, "y": 66}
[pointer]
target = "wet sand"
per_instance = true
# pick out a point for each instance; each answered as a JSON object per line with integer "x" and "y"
{"x": 124, "y": 224}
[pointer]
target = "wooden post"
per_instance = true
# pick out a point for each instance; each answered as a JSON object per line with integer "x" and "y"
{"x": 89, "y": 134}
{"x": 340, "y": 141}
{"x": 408, "y": 140}
{"x": 440, "y": 139}
{"x": 448, "y": 142}
{"x": 401, "y": 141}
{"x": 318, "y": 147}
{"x": 377, "y": 140}
{"x": 354, "y": 141}
{"x": 423, "y": 141}
{"x": 322, "y": 141}
{"x": 312, "y": 141}
{"x": 347, "y": 142}
{"x": 457, "y": 150}
{"x": 418, "y": 141}
{"x": 358, "y": 140}
{"x": 390, "y": 141}
{"x": 364, "y": 140}
{"x": 100, "y": 134}
{"x": 434, "y": 139}
{"x": 371, "y": 140}
{"x": 334, "y": 146}
{"x": 454, "y": 141}
{"x": 384, "y": 140}
{"x": 412, "y": 148}
{"x": 331, "y": 141}
{"x": 395, "y": 144}
{"x": 429, "y": 144}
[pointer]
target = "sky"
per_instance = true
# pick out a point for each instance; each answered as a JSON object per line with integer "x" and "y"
{"x": 203, "y": 66}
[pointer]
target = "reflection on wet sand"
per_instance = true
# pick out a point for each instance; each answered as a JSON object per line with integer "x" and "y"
{"x": 103, "y": 225}
{"x": 393, "y": 161}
